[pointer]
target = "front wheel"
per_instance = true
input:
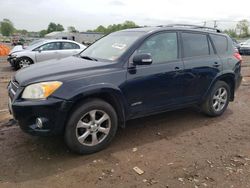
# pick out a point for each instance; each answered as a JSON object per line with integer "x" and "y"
{"x": 217, "y": 101}
{"x": 24, "y": 62}
{"x": 91, "y": 127}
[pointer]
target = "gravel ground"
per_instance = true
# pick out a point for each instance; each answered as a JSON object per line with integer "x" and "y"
{"x": 175, "y": 149}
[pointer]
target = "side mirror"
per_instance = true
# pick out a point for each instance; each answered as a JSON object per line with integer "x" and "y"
{"x": 142, "y": 59}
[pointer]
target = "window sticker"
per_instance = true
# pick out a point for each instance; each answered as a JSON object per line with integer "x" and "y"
{"x": 119, "y": 46}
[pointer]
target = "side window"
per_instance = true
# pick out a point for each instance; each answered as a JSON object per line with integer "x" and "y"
{"x": 162, "y": 47}
{"x": 220, "y": 43}
{"x": 69, "y": 45}
{"x": 50, "y": 46}
{"x": 195, "y": 44}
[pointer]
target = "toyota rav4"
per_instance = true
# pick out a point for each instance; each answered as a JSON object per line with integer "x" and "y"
{"x": 125, "y": 75}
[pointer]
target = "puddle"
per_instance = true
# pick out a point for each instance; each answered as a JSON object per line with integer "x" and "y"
{"x": 4, "y": 79}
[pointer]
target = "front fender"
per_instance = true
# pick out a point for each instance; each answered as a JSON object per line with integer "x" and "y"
{"x": 95, "y": 89}
{"x": 109, "y": 93}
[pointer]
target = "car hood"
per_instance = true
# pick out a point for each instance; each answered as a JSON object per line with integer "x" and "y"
{"x": 245, "y": 46}
{"x": 16, "y": 49}
{"x": 61, "y": 70}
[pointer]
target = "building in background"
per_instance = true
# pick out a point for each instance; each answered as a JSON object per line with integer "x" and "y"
{"x": 81, "y": 37}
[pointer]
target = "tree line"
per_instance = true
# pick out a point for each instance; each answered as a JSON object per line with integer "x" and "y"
{"x": 240, "y": 31}
{"x": 7, "y": 28}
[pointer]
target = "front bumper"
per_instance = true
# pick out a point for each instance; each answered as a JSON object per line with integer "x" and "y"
{"x": 52, "y": 111}
{"x": 244, "y": 51}
{"x": 12, "y": 60}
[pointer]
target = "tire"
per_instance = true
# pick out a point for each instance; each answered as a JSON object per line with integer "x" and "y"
{"x": 16, "y": 66}
{"x": 23, "y": 62}
{"x": 217, "y": 100}
{"x": 83, "y": 125}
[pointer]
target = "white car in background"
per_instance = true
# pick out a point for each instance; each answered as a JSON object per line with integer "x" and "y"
{"x": 245, "y": 48}
{"x": 43, "y": 50}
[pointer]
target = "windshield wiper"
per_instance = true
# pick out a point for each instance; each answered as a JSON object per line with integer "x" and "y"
{"x": 89, "y": 58}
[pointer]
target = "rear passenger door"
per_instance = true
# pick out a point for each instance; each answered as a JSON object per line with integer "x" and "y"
{"x": 201, "y": 65}
{"x": 69, "y": 49}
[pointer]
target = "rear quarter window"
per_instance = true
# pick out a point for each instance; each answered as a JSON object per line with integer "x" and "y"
{"x": 220, "y": 43}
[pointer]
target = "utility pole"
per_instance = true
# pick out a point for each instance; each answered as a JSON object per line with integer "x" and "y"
{"x": 215, "y": 24}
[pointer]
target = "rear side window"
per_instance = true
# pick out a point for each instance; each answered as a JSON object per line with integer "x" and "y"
{"x": 220, "y": 43}
{"x": 195, "y": 44}
{"x": 69, "y": 45}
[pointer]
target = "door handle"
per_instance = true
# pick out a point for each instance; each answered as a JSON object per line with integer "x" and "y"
{"x": 216, "y": 64}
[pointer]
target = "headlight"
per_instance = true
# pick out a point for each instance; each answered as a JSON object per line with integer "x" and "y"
{"x": 40, "y": 90}
{"x": 13, "y": 55}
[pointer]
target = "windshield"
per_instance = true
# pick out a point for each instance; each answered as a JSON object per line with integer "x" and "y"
{"x": 112, "y": 46}
{"x": 35, "y": 44}
{"x": 35, "y": 41}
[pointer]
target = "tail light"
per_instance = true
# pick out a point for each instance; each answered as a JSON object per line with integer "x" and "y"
{"x": 238, "y": 56}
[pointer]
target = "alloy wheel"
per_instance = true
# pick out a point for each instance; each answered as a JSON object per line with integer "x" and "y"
{"x": 24, "y": 63}
{"x": 93, "y": 127}
{"x": 219, "y": 99}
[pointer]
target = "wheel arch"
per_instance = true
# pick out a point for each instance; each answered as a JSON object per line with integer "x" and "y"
{"x": 110, "y": 95}
{"x": 229, "y": 78}
{"x": 27, "y": 57}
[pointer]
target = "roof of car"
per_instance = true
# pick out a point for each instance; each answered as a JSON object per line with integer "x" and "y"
{"x": 44, "y": 41}
{"x": 58, "y": 40}
{"x": 175, "y": 27}
{"x": 54, "y": 40}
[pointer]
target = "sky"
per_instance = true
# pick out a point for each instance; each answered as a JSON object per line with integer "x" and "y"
{"x": 35, "y": 15}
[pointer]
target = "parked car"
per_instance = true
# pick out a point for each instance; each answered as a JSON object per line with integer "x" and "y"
{"x": 43, "y": 50}
{"x": 125, "y": 75}
{"x": 245, "y": 48}
{"x": 236, "y": 43}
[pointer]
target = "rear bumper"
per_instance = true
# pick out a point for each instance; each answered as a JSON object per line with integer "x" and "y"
{"x": 238, "y": 82}
{"x": 52, "y": 111}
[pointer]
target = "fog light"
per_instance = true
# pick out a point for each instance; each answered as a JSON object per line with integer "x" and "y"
{"x": 39, "y": 123}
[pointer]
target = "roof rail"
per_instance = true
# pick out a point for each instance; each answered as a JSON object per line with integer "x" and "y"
{"x": 192, "y": 27}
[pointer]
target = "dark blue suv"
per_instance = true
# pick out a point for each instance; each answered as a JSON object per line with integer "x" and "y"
{"x": 127, "y": 74}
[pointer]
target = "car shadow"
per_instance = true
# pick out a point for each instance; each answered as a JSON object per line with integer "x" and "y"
{"x": 32, "y": 158}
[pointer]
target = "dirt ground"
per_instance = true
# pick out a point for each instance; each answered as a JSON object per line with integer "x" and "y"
{"x": 175, "y": 149}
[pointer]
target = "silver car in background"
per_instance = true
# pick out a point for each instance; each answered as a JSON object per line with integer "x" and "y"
{"x": 43, "y": 50}
{"x": 245, "y": 48}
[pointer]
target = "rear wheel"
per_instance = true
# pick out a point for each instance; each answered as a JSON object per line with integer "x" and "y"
{"x": 91, "y": 127}
{"x": 218, "y": 99}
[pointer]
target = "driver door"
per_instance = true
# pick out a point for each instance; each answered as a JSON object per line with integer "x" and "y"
{"x": 156, "y": 87}
{"x": 48, "y": 51}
